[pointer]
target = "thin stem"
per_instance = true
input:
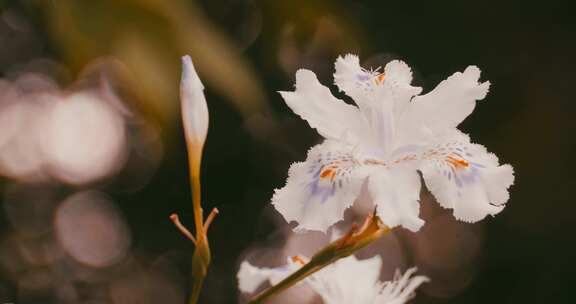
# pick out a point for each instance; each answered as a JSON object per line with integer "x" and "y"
{"x": 176, "y": 220}
{"x": 194, "y": 163}
{"x": 201, "y": 257}
{"x": 196, "y": 288}
{"x": 317, "y": 263}
{"x": 288, "y": 282}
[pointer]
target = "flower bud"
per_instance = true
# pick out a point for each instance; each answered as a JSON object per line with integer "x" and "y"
{"x": 193, "y": 102}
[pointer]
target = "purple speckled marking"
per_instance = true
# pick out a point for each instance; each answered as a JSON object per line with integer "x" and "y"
{"x": 363, "y": 77}
{"x": 317, "y": 190}
{"x": 317, "y": 172}
{"x": 457, "y": 180}
{"x": 470, "y": 176}
{"x": 477, "y": 165}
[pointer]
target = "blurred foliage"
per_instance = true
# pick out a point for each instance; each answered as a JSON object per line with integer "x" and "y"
{"x": 147, "y": 38}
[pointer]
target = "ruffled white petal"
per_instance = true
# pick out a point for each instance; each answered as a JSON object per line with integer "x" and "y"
{"x": 466, "y": 178}
{"x": 401, "y": 289}
{"x": 333, "y": 118}
{"x": 251, "y": 277}
{"x": 348, "y": 280}
{"x": 352, "y": 79}
{"x": 319, "y": 190}
{"x": 397, "y": 80}
{"x": 398, "y": 73}
{"x": 443, "y": 108}
{"x": 396, "y": 194}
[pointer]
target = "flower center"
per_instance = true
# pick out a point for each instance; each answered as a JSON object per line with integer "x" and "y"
{"x": 329, "y": 172}
{"x": 379, "y": 78}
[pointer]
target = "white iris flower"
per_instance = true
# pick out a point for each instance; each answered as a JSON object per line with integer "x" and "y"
{"x": 348, "y": 280}
{"x": 390, "y": 135}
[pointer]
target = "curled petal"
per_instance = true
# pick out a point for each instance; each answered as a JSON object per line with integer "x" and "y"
{"x": 396, "y": 193}
{"x": 319, "y": 190}
{"x": 398, "y": 72}
{"x": 351, "y": 78}
{"x": 194, "y": 108}
{"x": 331, "y": 117}
{"x": 397, "y": 80}
{"x": 466, "y": 178}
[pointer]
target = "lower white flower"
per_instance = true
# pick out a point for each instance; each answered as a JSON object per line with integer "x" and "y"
{"x": 346, "y": 281}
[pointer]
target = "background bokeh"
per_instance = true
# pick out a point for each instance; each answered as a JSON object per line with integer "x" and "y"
{"x": 92, "y": 155}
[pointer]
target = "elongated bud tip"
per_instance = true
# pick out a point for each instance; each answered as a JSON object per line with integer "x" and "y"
{"x": 194, "y": 108}
{"x": 189, "y": 74}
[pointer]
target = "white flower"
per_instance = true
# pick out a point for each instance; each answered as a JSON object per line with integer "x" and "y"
{"x": 384, "y": 141}
{"x": 348, "y": 280}
{"x": 194, "y": 108}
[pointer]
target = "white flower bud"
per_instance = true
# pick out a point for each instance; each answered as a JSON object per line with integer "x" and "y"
{"x": 194, "y": 108}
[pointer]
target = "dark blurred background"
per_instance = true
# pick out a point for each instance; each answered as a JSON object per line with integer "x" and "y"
{"x": 93, "y": 160}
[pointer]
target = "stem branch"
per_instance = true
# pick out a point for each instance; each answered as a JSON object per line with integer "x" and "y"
{"x": 210, "y": 218}
{"x": 176, "y": 220}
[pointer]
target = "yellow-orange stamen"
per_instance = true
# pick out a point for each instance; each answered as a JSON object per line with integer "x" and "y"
{"x": 379, "y": 79}
{"x": 457, "y": 163}
{"x": 328, "y": 173}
